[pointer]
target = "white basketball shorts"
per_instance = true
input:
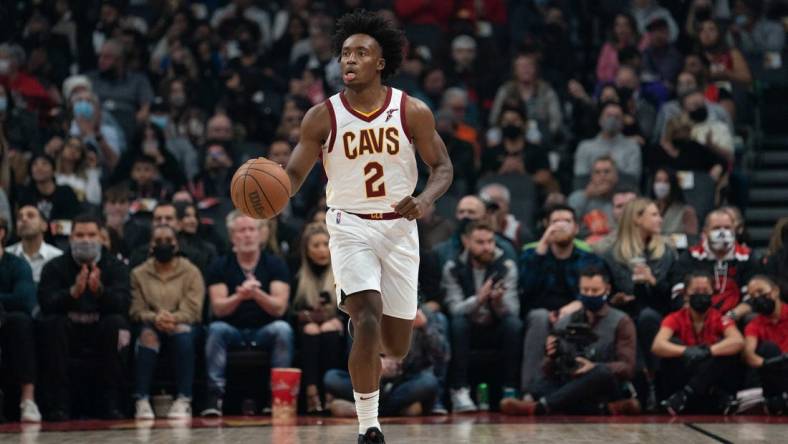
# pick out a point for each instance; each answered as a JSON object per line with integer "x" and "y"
{"x": 380, "y": 255}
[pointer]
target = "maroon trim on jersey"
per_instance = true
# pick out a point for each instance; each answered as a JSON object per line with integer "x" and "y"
{"x": 403, "y": 114}
{"x": 333, "y": 119}
{"x": 372, "y": 116}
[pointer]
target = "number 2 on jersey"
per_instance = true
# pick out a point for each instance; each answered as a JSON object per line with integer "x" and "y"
{"x": 376, "y": 187}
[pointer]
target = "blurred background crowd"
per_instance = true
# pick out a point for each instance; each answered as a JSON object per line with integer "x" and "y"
{"x": 618, "y": 144}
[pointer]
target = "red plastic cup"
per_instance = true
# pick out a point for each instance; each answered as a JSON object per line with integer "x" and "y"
{"x": 285, "y": 383}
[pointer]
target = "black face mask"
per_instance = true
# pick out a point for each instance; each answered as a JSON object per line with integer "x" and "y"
{"x": 763, "y": 305}
{"x": 700, "y": 302}
{"x": 511, "y": 131}
{"x": 164, "y": 253}
{"x": 699, "y": 115}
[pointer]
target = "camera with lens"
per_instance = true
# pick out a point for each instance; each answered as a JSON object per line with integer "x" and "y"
{"x": 573, "y": 341}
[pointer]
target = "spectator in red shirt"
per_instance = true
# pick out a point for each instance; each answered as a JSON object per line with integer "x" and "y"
{"x": 766, "y": 342}
{"x": 699, "y": 349}
{"x": 730, "y": 263}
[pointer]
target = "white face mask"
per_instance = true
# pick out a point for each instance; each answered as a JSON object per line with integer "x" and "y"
{"x": 5, "y": 66}
{"x": 721, "y": 240}
{"x": 661, "y": 190}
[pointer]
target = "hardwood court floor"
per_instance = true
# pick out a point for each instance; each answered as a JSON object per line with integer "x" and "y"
{"x": 476, "y": 429}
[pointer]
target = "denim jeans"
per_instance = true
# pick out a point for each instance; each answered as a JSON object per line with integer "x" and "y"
{"x": 276, "y": 338}
{"x": 418, "y": 387}
{"x": 505, "y": 335}
{"x": 180, "y": 342}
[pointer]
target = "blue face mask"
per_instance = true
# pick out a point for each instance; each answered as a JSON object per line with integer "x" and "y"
{"x": 160, "y": 121}
{"x": 83, "y": 109}
{"x": 3, "y": 104}
{"x": 592, "y": 303}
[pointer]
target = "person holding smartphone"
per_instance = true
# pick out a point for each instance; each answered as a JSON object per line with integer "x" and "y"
{"x": 481, "y": 298}
{"x": 320, "y": 329}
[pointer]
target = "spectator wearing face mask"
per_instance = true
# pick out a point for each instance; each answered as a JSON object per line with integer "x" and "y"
{"x": 730, "y": 264}
{"x": 84, "y": 298}
{"x": 167, "y": 294}
{"x": 609, "y": 142}
{"x": 686, "y": 82}
{"x": 679, "y": 220}
{"x": 700, "y": 349}
{"x": 598, "y": 374}
{"x": 766, "y": 342}
{"x": 692, "y": 141}
{"x": 89, "y": 124}
{"x": 179, "y": 147}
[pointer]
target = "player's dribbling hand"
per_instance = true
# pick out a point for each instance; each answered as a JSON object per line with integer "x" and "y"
{"x": 410, "y": 207}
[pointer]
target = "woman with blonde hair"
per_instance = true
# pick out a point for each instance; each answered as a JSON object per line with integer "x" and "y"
{"x": 640, "y": 262}
{"x": 319, "y": 328}
{"x": 72, "y": 168}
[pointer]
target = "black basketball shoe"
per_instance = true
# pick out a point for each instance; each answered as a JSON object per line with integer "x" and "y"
{"x": 373, "y": 436}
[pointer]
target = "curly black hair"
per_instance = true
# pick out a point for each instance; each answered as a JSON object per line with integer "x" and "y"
{"x": 390, "y": 39}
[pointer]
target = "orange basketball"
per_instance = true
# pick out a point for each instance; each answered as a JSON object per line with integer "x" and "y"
{"x": 260, "y": 188}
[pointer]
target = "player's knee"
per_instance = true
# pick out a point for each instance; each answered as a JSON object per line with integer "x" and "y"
{"x": 366, "y": 323}
{"x": 311, "y": 329}
{"x": 396, "y": 351}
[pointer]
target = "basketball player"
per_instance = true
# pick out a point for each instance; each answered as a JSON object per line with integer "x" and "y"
{"x": 368, "y": 135}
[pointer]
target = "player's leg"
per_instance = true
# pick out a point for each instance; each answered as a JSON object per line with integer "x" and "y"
{"x": 365, "y": 309}
{"x": 396, "y": 336}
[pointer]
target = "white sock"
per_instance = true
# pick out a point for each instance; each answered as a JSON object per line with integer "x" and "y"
{"x": 367, "y": 410}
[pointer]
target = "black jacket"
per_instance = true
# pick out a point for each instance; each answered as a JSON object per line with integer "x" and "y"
{"x": 60, "y": 274}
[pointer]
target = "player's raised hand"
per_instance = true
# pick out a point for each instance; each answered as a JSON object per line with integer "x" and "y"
{"x": 410, "y": 207}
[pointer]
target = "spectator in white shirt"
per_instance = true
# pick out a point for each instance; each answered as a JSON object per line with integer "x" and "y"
{"x": 30, "y": 227}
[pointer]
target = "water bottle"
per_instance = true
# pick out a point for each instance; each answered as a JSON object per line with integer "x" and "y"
{"x": 483, "y": 396}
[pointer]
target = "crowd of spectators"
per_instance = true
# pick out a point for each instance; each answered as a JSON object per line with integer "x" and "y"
{"x": 596, "y": 147}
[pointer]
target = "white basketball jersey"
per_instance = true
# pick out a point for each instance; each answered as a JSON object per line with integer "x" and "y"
{"x": 370, "y": 160}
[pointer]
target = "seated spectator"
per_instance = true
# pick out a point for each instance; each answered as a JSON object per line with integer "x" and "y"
{"x": 461, "y": 152}
{"x": 766, "y": 342}
{"x": 661, "y": 59}
{"x": 699, "y": 348}
{"x": 694, "y": 142}
{"x": 775, "y": 263}
{"x": 433, "y": 228}
{"x": 647, "y": 11}
{"x": 580, "y": 383}
{"x": 624, "y": 33}
{"x": 646, "y": 96}
{"x": 18, "y": 130}
{"x": 217, "y": 170}
{"x": 719, "y": 255}
{"x": 469, "y": 208}
{"x": 178, "y": 146}
{"x": 146, "y": 184}
{"x": 25, "y": 86}
{"x": 124, "y": 231}
{"x": 498, "y": 199}
{"x": 30, "y": 228}
{"x": 200, "y": 253}
{"x": 685, "y": 83}
{"x": 84, "y": 298}
{"x": 55, "y": 202}
{"x": 320, "y": 329}
{"x": 18, "y": 297}
{"x": 516, "y": 154}
{"x": 249, "y": 291}
{"x": 190, "y": 238}
{"x": 527, "y": 88}
{"x": 622, "y": 196}
{"x": 610, "y": 142}
{"x": 481, "y": 298}
{"x": 679, "y": 220}
{"x": 73, "y": 168}
{"x": 728, "y": 65}
{"x": 409, "y": 387}
{"x": 96, "y": 131}
{"x": 149, "y": 142}
{"x": 455, "y": 101}
{"x": 167, "y": 293}
{"x": 739, "y": 226}
{"x": 592, "y": 205}
{"x": 549, "y": 273}
{"x": 754, "y": 32}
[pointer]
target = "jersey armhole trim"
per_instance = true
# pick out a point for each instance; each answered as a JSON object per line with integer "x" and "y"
{"x": 333, "y": 118}
{"x": 403, "y": 102}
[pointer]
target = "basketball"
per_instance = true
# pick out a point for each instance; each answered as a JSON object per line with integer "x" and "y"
{"x": 260, "y": 188}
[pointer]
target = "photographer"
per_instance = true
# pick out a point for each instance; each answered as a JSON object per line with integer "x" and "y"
{"x": 699, "y": 349}
{"x": 549, "y": 274}
{"x": 481, "y": 297}
{"x": 585, "y": 369}
{"x": 766, "y": 342}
